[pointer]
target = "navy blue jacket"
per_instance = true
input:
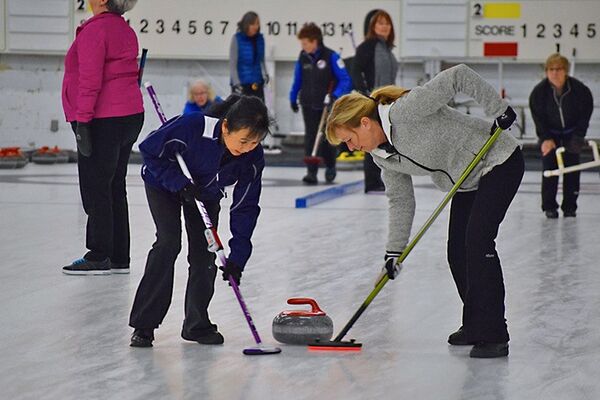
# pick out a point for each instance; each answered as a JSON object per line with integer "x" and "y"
{"x": 198, "y": 139}
{"x": 312, "y": 64}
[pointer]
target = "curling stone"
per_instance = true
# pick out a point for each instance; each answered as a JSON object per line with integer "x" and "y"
{"x": 302, "y": 326}
{"x": 12, "y": 157}
{"x": 47, "y": 155}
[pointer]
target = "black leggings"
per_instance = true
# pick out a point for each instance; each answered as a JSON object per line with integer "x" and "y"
{"x": 474, "y": 221}
{"x": 102, "y": 186}
{"x": 154, "y": 293}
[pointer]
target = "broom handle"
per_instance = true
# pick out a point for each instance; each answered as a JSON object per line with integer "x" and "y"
{"x": 486, "y": 147}
{"x": 321, "y": 126}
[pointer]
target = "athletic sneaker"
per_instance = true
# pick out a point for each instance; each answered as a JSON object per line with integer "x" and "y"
{"x": 117, "y": 268}
{"x": 551, "y": 214}
{"x": 213, "y": 337}
{"x": 87, "y": 267}
{"x": 310, "y": 178}
{"x": 489, "y": 350}
{"x": 459, "y": 338}
{"x": 142, "y": 338}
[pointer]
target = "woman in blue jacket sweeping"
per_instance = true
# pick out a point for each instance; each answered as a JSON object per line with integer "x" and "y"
{"x": 219, "y": 152}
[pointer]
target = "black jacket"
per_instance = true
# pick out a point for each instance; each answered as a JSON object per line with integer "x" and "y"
{"x": 568, "y": 115}
{"x": 363, "y": 67}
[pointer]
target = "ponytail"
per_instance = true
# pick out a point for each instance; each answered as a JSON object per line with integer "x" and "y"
{"x": 388, "y": 94}
{"x": 348, "y": 110}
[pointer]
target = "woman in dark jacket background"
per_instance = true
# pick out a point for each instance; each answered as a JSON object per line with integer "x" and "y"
{"x": 561, "y": 107}
{"x": 375, "y": 66}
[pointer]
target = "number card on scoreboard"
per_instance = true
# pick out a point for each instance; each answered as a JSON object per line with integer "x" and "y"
{"x": 194, "y": 29}
{"x": 530, "y": 30}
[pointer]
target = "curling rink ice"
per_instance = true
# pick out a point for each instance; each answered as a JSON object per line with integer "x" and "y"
{"x": 66, "y": 337}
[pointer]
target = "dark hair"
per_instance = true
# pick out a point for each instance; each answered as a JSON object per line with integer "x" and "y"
{"x": 371, "y": 34}
{"x": 243, "y": 112}
{"x": 368, "y": 20}
{"x": 311, "y": 31}
{"x": 248, "y": 19}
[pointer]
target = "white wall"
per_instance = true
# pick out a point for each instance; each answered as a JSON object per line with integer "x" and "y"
{"x": 30, "y": 88}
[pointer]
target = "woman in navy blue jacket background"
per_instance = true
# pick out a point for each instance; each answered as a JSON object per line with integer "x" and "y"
{"x": 219, "y": 152}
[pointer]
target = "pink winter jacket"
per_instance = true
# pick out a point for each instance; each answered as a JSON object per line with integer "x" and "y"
{"x": 101, "y": 71}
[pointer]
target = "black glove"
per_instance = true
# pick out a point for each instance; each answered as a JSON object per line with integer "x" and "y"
{"x": 505, "y": 120}
{"x": 231, "y": 269}
{"x": 236, "y": 89}
{"x": 190, "y": 193}
{"x": 266, "y": 79}
{"x": 294, "y": 106}
{"x": 391, "y": 267}
{"x": 83, "y": 134}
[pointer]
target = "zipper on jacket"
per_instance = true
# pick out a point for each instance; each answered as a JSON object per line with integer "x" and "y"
{"x": 559, "y": 103}
{"x": 427, "y": 168}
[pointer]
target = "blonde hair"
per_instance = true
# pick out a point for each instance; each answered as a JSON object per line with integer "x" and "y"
{"x": 348, "y": 110}
{"x": 204, "y": 84}
{"x": 557, "y": 59}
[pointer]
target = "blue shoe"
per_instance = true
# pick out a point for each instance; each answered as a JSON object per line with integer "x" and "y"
{"x": 87, "y": 267}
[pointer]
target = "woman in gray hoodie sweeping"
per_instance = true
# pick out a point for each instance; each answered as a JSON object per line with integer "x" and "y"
{"x": 415, "y": 132}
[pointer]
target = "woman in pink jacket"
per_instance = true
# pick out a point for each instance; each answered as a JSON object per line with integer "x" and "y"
{"x": 103, "y": 102}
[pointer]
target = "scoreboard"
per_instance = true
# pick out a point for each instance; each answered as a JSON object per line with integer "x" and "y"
{"x": 531, "y": 30}
{"x": 203, "y": 28}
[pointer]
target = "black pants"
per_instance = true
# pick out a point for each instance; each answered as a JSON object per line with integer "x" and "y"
{"x": 570, "y": 182}
{"x": 256, "y": 90}
{"x": 154, "y": 293}
{"x": 474, "y": 221}
{"x": 372, "y": 173}
{"x": 102, "y": 186}
{"x": 312, "y": 117}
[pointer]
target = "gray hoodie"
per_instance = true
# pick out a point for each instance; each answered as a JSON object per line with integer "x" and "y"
{"x": 436, "y": 140}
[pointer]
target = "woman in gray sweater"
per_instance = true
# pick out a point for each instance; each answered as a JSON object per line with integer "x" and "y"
{"x": 415, "y": 132}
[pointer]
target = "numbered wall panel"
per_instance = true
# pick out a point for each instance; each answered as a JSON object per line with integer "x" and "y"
{"x": 38, "y": 25}
{"x": 530, "y": 30}
{"x": 203, "y": 28}
{"x": 434, "y": 28}
{"x": 2, "y": 42}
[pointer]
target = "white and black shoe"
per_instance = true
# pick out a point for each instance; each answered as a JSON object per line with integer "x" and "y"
{"x": 87, "y": 267}
{"x": 117, "y": 268}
